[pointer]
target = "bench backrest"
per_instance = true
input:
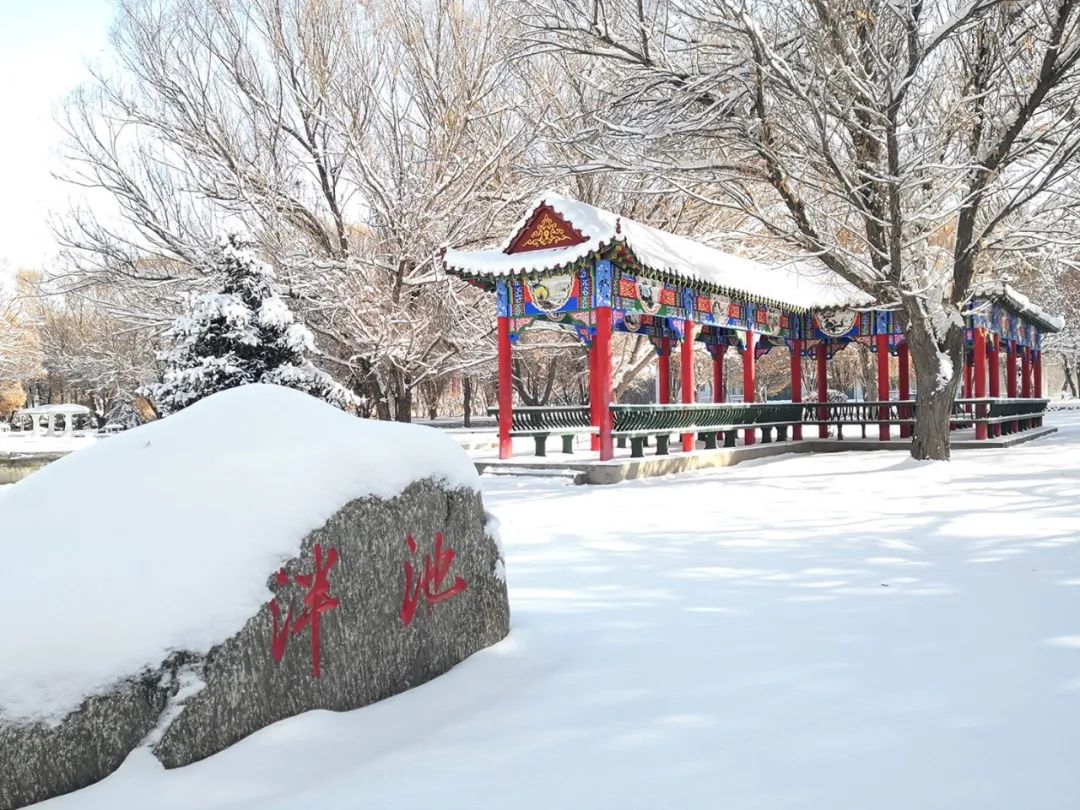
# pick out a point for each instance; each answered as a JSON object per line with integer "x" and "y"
{"x": 547, "y": 417}
{"x": 704, "y": 416}
{"x": 1018, "y": 407}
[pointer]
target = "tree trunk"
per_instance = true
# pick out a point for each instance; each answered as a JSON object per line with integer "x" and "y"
{"x": 466, "y": 393}
{"x": 937, "y": 375}
{"x": 1069, "y": 384}
{"x": 868, "y": 373}
{"x": 378, "y": 403}
{"x": 403, "y": 396}
{"x": 366, "y": 385}
{"x": 403, "y": 406}
{"x": 400, "y": 396}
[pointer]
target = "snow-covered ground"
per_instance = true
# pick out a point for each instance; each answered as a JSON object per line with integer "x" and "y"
{"x": 167, "y": 532}
{"x": 839, "y": 632}
{"x": 21, "y": 442}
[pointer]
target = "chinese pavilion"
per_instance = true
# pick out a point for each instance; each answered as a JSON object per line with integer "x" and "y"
{"x": 591, "y": 271}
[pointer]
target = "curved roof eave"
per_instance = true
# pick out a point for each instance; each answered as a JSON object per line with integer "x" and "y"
{"x": 798, "y": 288}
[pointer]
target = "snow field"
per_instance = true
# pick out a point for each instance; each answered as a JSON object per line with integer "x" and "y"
{"x": 163, "y": 538}
{"x": 834, "y": 632}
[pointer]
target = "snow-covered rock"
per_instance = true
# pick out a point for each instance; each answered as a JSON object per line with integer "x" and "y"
{"x": 254, "y": 556}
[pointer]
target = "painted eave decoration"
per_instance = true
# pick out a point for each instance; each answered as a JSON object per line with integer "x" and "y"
{"x": 558, "y": 233}
{"x": 1010, "y": 298}
{"x": 546, "y": 229}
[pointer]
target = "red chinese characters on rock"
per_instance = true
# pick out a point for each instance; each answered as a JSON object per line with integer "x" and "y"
{"x": 317, "y": 601}
{"x": 430, "y": 585}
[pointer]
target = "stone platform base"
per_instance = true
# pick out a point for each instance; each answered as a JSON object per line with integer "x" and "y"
{"x": 593, "y": 471}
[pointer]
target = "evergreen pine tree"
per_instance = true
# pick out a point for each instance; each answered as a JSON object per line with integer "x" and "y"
{"x": 243, "y": 333}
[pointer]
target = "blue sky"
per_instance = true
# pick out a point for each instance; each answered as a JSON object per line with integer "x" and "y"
{"x": 45, "y": 46}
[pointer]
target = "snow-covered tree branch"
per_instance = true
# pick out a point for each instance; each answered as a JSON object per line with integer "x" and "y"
{"x": 352, "y": 140}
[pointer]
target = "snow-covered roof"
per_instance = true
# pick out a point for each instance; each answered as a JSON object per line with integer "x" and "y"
{"x": 168, "y": 533}
{"x": 797, "y": 286}
{"x": 1007, "y": 295}
{"x": 60, "y": 409}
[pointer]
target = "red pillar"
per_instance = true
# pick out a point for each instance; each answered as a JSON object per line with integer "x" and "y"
{"x": 967, "y": 381}
{"x": 1010, "y": 380}
{"x": 995, "y": 377}
{"x": 718, "y": 352}
{"x": 1010, "y": 372}
{"x": 1036, "y": 373}
{"x": 796, "y": 383}
{"x": 822, "y": 387}
{"x": 882, "y": 342}
{"x": 602, "y": 342}
{"x": 663, "y": 371}
{"x": 980, "y": 380}
{"x": 994, "y": 366}
{"x": 1025, "y": 380}
{"x": 749, "y": 378}
{"x": 686, "y": 370}
{"x": 904, "y": 385}
{"x": 506, "y": 389}
{"x": 594, "y": 397}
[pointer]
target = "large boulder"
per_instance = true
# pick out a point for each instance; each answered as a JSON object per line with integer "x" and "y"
{"x": 251, "y": 558}
{"x": 362, "y": 626}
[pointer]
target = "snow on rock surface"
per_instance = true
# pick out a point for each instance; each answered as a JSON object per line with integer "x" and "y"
{"x": 162, "y": 538}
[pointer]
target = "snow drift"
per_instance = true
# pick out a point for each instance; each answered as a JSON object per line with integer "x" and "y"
{"x": 162, "y": 538}
{"x": 256, "y": 556}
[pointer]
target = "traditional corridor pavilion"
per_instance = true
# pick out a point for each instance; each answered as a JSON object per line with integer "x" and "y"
{"x": 593, "y": 272}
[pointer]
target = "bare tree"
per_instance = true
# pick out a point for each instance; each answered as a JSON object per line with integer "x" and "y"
{"x": 1063, "y": 288}
{"x": 910, "y": 147}
{"x": 89, "y": 356}
{"x": 20, "y": 347}
{"x": 352, "y": 139}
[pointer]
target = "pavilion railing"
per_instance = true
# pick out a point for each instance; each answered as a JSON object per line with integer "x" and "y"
{"x": 858, "y": 414}
{"x": 1011, "y": 415}
{"x": 637, "y": 423}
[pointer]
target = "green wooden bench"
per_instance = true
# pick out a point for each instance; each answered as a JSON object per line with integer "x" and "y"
{"x": 541, "y": 422}
{"x": 1015, "y": 415}
{"x": 637, "y": 423}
